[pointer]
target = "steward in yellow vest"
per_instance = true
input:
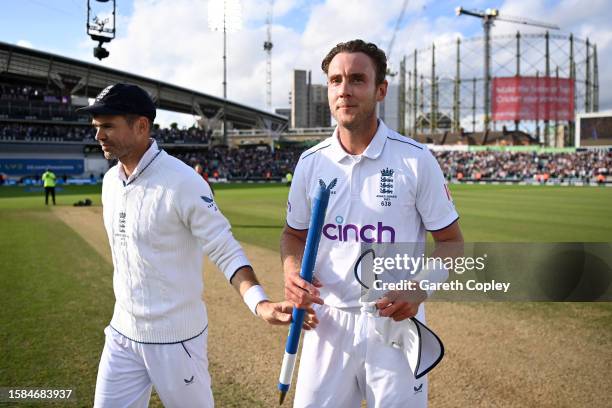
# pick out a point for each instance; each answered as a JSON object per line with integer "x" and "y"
{"x": 48, "y": 179}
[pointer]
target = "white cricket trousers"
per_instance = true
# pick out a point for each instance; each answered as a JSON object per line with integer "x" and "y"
{"x": 128, "y": 370}
{"x": 342, "y": 364}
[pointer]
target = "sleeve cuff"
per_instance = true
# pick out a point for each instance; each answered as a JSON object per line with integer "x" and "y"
{"x": 238, "y": 262}
{"x": 297, "y": 226}
{"x": 442, "y": 223}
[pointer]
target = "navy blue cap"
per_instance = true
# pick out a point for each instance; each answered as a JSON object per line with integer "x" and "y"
{"x": 122, "y": 99}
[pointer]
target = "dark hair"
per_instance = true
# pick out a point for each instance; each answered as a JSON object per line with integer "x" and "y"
{"x": 377, "y": 56}
{"x": 130, "y": 118}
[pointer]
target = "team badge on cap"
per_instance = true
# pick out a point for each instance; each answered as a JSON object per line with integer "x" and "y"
{"x": 105, "y": 91}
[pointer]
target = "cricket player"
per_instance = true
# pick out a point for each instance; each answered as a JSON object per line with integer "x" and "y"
{"x": 389, "y": 189}
{"x": 161, "y": 218}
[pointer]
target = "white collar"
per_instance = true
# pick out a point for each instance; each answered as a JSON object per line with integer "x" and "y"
{"x": 144, "y": 162}
{"x": 374, "y": 149}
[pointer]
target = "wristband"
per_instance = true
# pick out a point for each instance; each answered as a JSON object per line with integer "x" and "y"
{"x": 253, "y": 296}
{"x": 437, "y": 275}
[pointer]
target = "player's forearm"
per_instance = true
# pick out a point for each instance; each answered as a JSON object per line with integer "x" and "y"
{"x": 243, "y": 279}
{"x": 246, "y": 283}
{"x": 298, "y": 291}
{"x": 292, "y": 249}
{"x": 448, "y": 242}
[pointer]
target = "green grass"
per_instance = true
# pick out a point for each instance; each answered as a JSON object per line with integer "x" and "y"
{"x": 534, "y": 213}
{"x": 56, "y": 299}
{"x": 17, "y": 197}
{"x": 488, "y": 213}
{"x": 257, "y": 215}
{"x": 57, "y": 292}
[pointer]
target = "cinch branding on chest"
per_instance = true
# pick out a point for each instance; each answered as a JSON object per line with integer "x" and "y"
{"x": 354, "y": 233}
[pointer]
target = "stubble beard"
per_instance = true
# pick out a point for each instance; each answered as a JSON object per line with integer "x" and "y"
{"x": 109, "y": 156}
{"x": 359, "y": 120}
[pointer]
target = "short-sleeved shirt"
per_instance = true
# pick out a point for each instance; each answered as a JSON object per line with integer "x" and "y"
{"x": 393, "y": 192}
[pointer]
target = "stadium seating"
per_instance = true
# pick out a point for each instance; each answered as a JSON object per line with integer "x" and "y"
{"x": 585, "y": 165}
{"x": 260, "y": 163}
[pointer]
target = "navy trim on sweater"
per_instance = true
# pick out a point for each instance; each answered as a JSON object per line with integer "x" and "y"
{"x": 142, "y": 171}
{"x": 440, "y": 229}
{"x": 313, "y": 152}
{"x": 236, "y": 271}
{"x": 146, "y": 342}
{"x": 405, "y": 141}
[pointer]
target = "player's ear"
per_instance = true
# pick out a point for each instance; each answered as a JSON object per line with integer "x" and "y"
{"x": 143, "y": 125}
{"x": 381, "y": 90}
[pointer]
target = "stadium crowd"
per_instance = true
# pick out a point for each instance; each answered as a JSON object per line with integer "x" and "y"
{"x": 28, "y": 93}
{"x": 176, "y": 135}
{"x": 582, "y": 166}
{"x": 261, "y": 163}
{"x": 19, "y": 102}
{"x": 507, "y": 165}
{"x": 52, "y": 133}
{"x": 71, "y": 133}
{"x": 244, "y": 164}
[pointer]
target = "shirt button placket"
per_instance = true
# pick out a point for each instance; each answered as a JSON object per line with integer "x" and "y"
{"x": 125, "y": 224}
{"x": 355, "y": 178}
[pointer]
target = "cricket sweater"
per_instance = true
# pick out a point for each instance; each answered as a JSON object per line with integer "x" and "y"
{"x": 160, "y": 222}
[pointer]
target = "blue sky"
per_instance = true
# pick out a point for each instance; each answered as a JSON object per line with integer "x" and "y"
{"x": 169, "y": 39}
{"x": 54, "y": 26}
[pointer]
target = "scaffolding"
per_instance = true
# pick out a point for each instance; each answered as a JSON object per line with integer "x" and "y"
{"x": 445, "y": 86}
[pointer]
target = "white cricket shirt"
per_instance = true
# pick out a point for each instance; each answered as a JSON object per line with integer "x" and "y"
{"x": 393, "y": 192}
{"x": 160, "y": 222}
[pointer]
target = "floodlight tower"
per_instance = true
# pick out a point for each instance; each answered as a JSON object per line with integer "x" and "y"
{"x": 268, "y": 49}
{"x": 489, "y": 16}
{"x": 101, "y": 26}
{"x": 390, "y": 72}
{"x": 224, "y": 15}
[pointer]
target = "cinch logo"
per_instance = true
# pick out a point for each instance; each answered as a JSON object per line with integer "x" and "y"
{"x": 353, "y": 233}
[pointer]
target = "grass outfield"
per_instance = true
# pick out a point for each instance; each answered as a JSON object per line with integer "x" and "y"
{"x": 488, "y": 213}
{"x": 57, "y": 291}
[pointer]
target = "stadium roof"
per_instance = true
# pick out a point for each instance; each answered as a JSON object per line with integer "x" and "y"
{"x": 87, "y": 79}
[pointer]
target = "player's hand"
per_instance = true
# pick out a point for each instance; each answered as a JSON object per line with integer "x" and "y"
{"x": 400, "y": 305}
{"x": 300, "y": 293}
{"x": 279, "y": 313}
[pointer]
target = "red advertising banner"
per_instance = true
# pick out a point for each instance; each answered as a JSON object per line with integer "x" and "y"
{"x": 532, "y": 98}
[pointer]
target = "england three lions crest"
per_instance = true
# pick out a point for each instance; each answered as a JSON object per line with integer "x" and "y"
{"x": 386, "y": 187}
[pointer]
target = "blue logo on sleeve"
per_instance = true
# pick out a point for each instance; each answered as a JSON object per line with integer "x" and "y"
{"x": 210, "y": 202}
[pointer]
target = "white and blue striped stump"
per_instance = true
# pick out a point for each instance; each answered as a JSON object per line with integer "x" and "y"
{"x": 317, "y": 218}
